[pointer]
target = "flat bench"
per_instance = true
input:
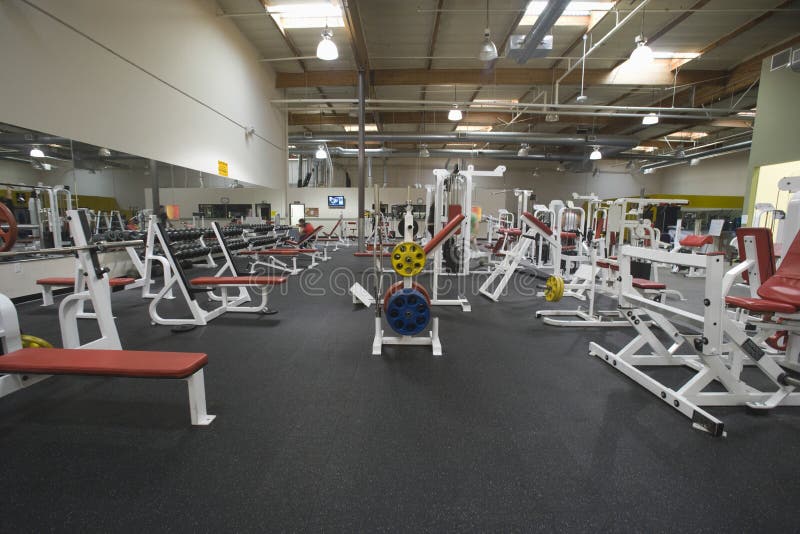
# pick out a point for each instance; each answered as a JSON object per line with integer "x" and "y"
{"x": 66, "y": 281}
{"x": 116, "y": 363}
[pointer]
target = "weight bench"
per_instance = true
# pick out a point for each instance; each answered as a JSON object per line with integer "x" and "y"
{"x": 698, "y": 244}
{"x": 207, "y": 284}
{"x": 58, "y": 281}
{"x": 43, "y": 363}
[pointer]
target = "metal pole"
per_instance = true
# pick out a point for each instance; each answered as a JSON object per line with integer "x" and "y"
{"x": 154, "y": 185}
{"x": 300, "y": 170}
{"x": 361, "y": 154}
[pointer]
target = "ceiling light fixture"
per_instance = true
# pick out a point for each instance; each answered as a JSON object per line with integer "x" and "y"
{"x": 37, "y": 153}
{"x": 642, "y": 55}
{"x": 694, "y": 162}
{"x": 551, "y": 117}
{"x": 320, "y": 153}
{"x": 326, "y": 49}
{"x": 455, "y": 113}
{"x": 523, "y": 150}
{"x": 488, "y": 50}
{"x": 650, "y": 119}
{"x": 596, "y": 154}
{"x": 424, "y": 152}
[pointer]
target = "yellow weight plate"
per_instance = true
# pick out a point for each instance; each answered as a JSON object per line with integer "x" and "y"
{"x": 554, "y": 289}
{"x": 33, "y": 342}
{"x": 408, "y": 258}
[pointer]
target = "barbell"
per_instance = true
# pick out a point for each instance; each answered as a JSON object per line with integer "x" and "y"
{"x": 100, "y": 247}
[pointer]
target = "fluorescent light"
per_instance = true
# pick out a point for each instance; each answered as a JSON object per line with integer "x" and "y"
{"x": 307, "y": 15}
{"x": 37, "y": 153}
{"x": 326, "y": 49}
{"x": 499, "y": 101}
{"x": 747, "y": 113}
{"x": 354, "y": 127}
{"x": 644, "y": 148}
{"x": 473, "y": 128}
{"x": 642, "y": 55}
{"x": 573, "y": 9}
{"x": 320, "y": 153}
{"x": 650, "y": 119}
{"x": 455, "y": 114}
{"x": 488, "y": 50}
{"x": 291, "y": 147}
{"x": 596, "y": 154}
{"x": 692, "y": 136}
{"x": 649, "y": 171}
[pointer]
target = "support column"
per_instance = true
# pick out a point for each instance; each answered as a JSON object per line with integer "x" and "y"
{"x": 154, "y": 185}
{"x": 361, "y": 154}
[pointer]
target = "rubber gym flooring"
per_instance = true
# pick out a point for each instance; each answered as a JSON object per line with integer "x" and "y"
{"x": 515, "y": 429}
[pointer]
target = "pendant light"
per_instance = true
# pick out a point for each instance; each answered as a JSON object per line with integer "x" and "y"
{"x": 488, "y": 50}
{"x": 326, "y": 49}
{"x": 642, "y": 54}
{"x": 37, "y": 152}
{"x": 455, "y": 113}
{"x": 524, "y": 150}
{"x": 596, "y": 154}
{"x": 320, "y": 153}
{"x": 650, "y": 119}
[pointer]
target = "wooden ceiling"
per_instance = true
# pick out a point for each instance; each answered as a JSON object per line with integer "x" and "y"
{"x": 427, "y": 49}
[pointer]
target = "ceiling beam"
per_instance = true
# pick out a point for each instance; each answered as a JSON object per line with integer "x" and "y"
{"x": 752, "y": 23}
{"x": 579, "y": 39}
{"x": 435, "y": 33}
{"x": 504, "y": 76}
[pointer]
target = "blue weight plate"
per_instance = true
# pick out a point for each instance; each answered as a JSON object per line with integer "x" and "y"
{"x": 408, "y": 312}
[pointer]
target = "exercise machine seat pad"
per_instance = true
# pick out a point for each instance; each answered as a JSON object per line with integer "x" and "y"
{"x": 510, "y": 231}
{"x": 696, "y": 240}
{"x": 764, "y": 250}
{"x": 644, "y": 283}
{"x": 535, "y": 220}
{"x": 760, "y": 305}
{"x": 784, "y": 285}
{"x": 65, "y": 281}
{"x": 239, "y": 280}
{"x": 127, "y": 363}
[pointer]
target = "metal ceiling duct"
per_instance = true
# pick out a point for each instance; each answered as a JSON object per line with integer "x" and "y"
{"x": 719, "y": 151}
{"x": 477, "y": 137}
{"x": 542, "y": 27}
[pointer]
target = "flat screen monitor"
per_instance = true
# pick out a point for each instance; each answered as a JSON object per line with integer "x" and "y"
{"x": 336, "y": 201}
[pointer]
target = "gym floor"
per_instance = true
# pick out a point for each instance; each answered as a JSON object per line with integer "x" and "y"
{"x": 515, "y": 428}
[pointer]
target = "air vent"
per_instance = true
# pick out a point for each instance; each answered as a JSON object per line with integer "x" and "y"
{"x": 781, "y": 59}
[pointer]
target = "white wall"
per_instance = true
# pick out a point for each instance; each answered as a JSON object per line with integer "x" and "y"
{"x": 166, "y": 80}
{"x": 723, "y": 175}
{"x": 611, "y": 182}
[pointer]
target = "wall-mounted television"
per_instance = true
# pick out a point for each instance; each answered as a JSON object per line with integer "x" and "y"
{"x": 336, "y": 201}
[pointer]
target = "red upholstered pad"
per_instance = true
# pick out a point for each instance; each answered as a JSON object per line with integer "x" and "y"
{"x": 696, "y": 240}
{"x": 784, "y": 285}
{"x": 765, "y": 251}
{"x": 444, "y": 232}
{"x": 569, "y": 235}
{"x": 542, "y": 226}
{"x": 644, "y": 283}
{"x": 64, "y": 281}
{"x": 603, "y": 264}
{"x": 238, "y": 280}
{"x": 510, "y": 231}
{"x": 56, "y": 281}
{"x": 760, "y": 305}
{"x": 131, "y": 363}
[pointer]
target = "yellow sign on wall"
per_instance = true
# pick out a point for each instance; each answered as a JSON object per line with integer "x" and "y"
{"x": 222, "y": 168}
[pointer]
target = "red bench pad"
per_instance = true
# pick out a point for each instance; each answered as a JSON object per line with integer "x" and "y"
{"x": 59, "y": 281}
{"x": 510, "y": 231}
{"x": 760, "y": 305}
{"x": 238, "y": 280}
{"x": 644, "y": 283}
{"x": 535, "y": 220}
{"x": 696, "y": 240}
{"x": 129, "y": 363}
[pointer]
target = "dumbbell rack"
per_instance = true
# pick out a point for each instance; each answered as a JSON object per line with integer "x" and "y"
{"x": 432, "y": 339}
